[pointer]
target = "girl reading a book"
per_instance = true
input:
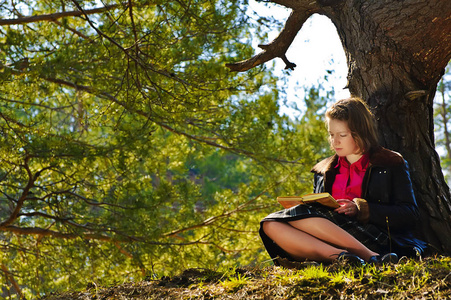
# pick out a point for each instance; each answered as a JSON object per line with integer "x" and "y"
{"x": 372, "y": 184}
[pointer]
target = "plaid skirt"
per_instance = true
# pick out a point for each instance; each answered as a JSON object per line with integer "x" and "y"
{"x": 368, "y": 234}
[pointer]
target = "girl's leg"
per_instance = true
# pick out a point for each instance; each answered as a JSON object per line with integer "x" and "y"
{"x": 300, "y": 245}
{"x": 315, "y": 239}
{"x": 332, "y": 234}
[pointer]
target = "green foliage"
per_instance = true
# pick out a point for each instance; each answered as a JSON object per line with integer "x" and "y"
{"x": 128, "y": 150}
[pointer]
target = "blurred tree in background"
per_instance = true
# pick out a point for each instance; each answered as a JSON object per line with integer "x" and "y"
{"x": 128, "y": 150}
{"x": 443, "y": 122}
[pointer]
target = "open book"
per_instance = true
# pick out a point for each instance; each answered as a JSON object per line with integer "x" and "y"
{"x": 323, "y": 198}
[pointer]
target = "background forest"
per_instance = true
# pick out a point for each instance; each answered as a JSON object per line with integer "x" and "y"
{"x": 129, "y": 150}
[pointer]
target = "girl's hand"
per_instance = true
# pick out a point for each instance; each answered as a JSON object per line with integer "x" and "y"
{"x": 347, "y": 207}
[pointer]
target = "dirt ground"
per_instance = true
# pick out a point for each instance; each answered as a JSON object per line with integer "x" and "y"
{"x": 278, "y": 283}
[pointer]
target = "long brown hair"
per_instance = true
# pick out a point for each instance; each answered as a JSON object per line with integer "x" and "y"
{"x": 360, "y": 121}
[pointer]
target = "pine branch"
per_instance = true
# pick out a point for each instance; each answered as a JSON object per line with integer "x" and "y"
{"x": 20, "y": 202}
{"x": 280, "y": 45}
{"x": 213, "y": 219}
{"x": 56, "y": 16}
{"x": 201, "y": 139}
{"x": 301, "y": 11}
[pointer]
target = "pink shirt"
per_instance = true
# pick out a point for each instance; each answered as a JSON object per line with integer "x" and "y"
{"x": 348, "y": 182}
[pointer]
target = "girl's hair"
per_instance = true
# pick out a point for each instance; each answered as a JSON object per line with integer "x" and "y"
{"x": 360, "y": 121}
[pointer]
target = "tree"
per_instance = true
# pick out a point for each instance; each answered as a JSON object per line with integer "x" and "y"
{"x": 396, "y": 52}
{"x": 442, "y": 118}
{"x": 114, "y": 121}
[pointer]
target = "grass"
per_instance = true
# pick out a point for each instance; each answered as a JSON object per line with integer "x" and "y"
{"x": 409, "y": 279}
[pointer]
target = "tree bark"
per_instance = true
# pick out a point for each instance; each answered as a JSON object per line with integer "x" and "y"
{"x": 397, "y": 52}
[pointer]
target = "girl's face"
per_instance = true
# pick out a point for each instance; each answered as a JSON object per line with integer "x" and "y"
{"x": 342, "y": 141}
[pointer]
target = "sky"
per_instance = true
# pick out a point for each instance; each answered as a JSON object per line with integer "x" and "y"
{"x": 316, "y": 49}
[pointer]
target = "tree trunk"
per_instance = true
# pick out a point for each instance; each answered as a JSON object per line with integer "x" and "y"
{"x": 397, "y": 52}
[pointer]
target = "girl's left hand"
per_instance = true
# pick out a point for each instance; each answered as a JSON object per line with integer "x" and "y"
{"x": 347, "y": 207}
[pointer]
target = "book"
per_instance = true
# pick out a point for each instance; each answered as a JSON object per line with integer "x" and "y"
{"x": 322, "y": 198}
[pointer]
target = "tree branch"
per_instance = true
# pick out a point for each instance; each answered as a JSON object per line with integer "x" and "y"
{"x": 52, "y": 233}
{"x": 99, "y": 32}
{"x": 42, "y": 232}
{"x": 280, "y": 45}
{"x": 200, "y": 139}
{"x": 211, "y": 220}
{"x": 80, "y": 34}
{"x": 9, "y": 276}
{"x": 31, "y": 180}
{"x": 55, "y": 16}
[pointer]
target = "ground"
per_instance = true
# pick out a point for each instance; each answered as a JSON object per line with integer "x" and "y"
{"x": 409, "y": 279}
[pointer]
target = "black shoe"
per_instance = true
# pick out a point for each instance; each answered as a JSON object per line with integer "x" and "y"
{"x": 389, "y": 258}
{"x": 350, "y": 259}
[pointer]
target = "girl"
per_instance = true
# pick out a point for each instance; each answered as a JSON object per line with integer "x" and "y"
{"x": 372, "y": 185}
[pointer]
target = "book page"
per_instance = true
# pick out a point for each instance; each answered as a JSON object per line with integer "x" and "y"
{"x": 323, "y": 198}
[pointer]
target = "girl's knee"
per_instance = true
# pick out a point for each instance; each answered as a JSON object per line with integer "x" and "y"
{"x": 270, "y": 226}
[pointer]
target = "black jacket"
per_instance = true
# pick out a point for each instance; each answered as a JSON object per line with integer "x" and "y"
{"x": 387, "y": 201}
